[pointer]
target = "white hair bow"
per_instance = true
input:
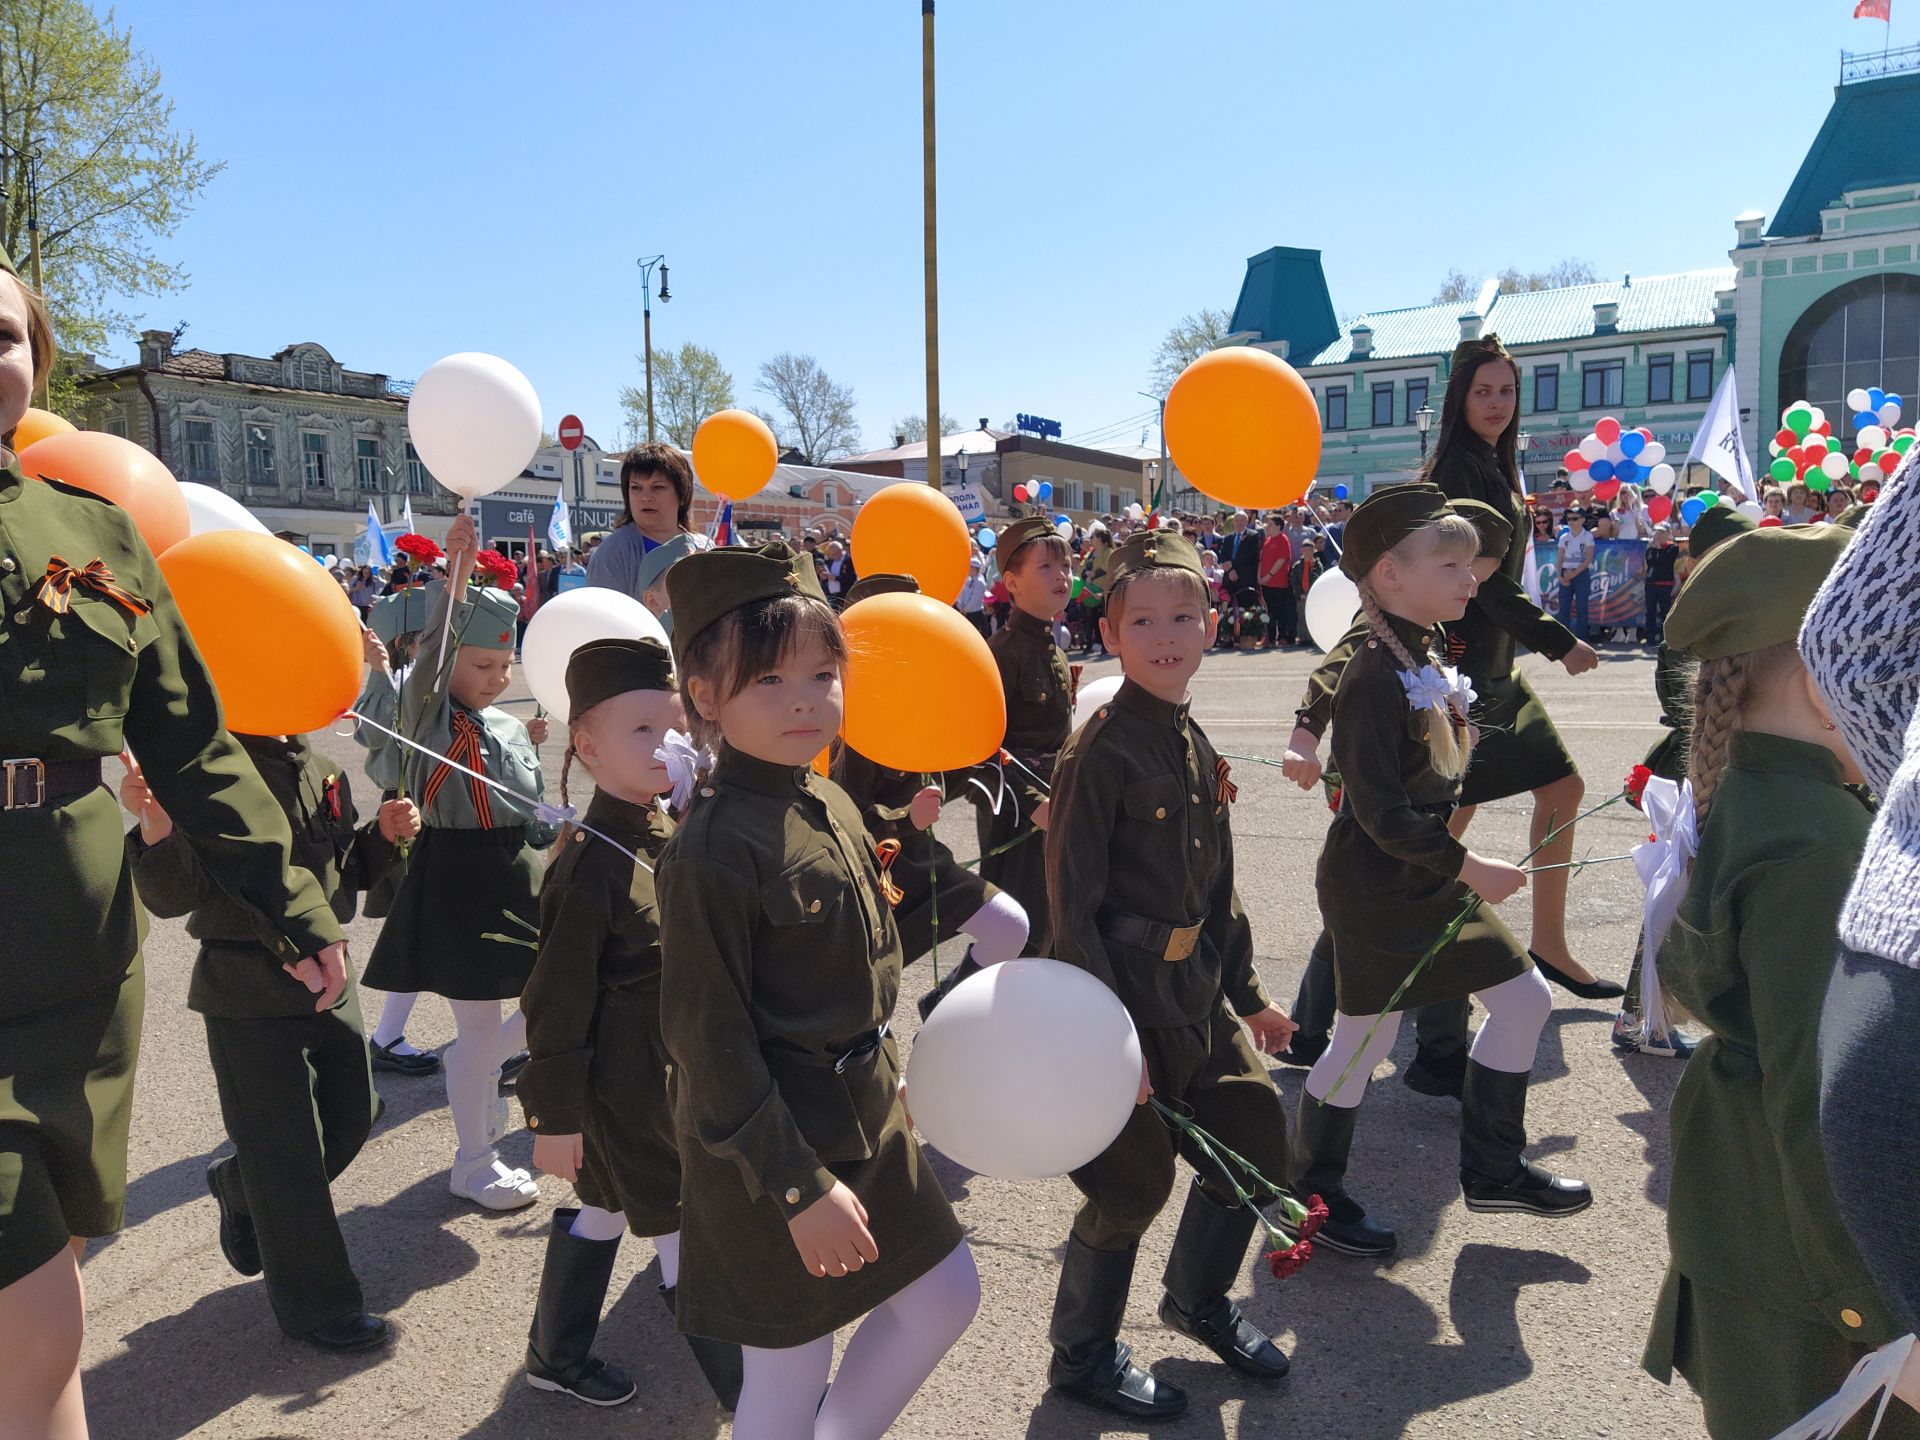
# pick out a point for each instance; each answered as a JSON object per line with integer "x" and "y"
{"x": 684, "y": 761}
{"x": 1662, "y": 863}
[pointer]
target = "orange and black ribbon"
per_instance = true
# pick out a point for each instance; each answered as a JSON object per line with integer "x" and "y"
{"x": 887, "y": 852}
{"x": 1225, "y": 792}
{"x": 465, "y": 749}
{"x": 56, "y": 589}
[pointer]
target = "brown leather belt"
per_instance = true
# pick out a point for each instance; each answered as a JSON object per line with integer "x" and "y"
{"x": 1172, "y": 943}
{"x": 28, "y": 784}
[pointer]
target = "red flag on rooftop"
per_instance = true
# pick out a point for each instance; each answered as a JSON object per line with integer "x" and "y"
{"x": 1874, "y": 10}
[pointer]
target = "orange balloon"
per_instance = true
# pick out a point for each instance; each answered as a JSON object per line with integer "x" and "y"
{"x": 1244, "y": 428}
{"x": 734, "y": 453}
{"x": 116, "y": 470}
{"x": 922, "y": 691}
{"x": 823, "y": 763}
{"x": 36, "y": 425}
{"x": 276, "y": 630}
{"x": 912, "y": 529}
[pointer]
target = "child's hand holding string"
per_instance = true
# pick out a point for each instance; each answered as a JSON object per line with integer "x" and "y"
{"x": 399, "y": 820}
{"x": 1301, "y": 763}
{"x": 924, "y": 809}
{"x": 374, "y": 650}
{"x": 537, "y": 729}
{"x": 831, "y": 1234}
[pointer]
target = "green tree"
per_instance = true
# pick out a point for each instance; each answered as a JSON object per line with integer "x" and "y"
{"x": 811, "y": 414}
{"x": 90, "y": 137}
{"x": 914, "y": 427}
{"x": 689, "y": 384}
{"x": 1186, "y": 342}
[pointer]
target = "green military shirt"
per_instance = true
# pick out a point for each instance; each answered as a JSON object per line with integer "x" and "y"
{"x": 1316, "y": 703}
{"x": 231, "y": 976}
{"x": 1140, "y": 824}
{"x": 1038, "y": 683}
{"x": 1751, "y": 1212}
{"x": 1501, "y": 611}
{"x": 599, "y": 931}
{"x": 82, "y": 684}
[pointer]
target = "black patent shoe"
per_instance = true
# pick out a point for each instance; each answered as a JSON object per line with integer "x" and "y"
{"x": 237, "y": 1239}
{"x": 1231, "y": 1336}
{"x": 511, "y": 1067}
{"x": 1443, "y": 1079}
{"x": 359, "y": 1331}
{"x": 1351, "y": 1231}
{"x": 1128, "y": 1390}
{"x": 395, "y": 1062}
{"x": 1585, "y": 989}
{"x": 1533, "y": 1191}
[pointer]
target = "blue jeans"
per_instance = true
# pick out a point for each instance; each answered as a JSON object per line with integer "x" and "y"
{"x": 1576, "y": 596}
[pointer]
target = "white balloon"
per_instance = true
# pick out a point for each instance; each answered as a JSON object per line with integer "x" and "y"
{"x": 1581, "y": 480}
{"x": 1835, "y": 466}
{"x": 1064, "y": 529}
{"x": 1856, "y": 400}
{"x": 1750, "y": 509}
{"x": 1871, "y": 437}
{"x": 1653, "y": 453}
{"x": 1819, "y": 416}
{"x": 1662, "y": 478}
{"x": 1593, "y": 448}
{"x": 1871, "y": 473}
{"x": 565, "y": 623}
{"x": 1615, "y": 453}
{"x": 211, "y": 509}
{"x": 1889, "y": 414}
{"x": 1029, "y": 1069}
{"x": 1134, "y": 511}
{"x": 475, "y": 421}
{"x": 1332, "y": 604}
{"x": 1093, "y": 695}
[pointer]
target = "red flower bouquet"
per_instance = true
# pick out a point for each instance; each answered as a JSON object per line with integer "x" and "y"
{"x": 419, "y": 549}
{"x": 1289, "y": 1253}
{"x": 491, "y": 568}
{"x": 1637, "y": 779}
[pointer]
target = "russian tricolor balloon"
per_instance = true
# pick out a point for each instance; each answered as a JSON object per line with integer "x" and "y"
{"x": 1613, "y": 456}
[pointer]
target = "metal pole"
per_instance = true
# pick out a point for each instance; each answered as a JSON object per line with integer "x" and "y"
{"x": 647, "y": 325}
{"x": 1166, "y": 465}
{"x": 33, "y": 249}
{"x": 932, "y": 259}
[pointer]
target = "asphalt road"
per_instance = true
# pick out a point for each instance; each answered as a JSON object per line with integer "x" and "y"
{"x": 1496, "y": 1327}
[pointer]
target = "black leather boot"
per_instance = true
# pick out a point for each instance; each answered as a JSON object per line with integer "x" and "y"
{"x": 1495, "y": 1176}
{"x": 952, "y": 978}
{"x": 1209, "y": 1251}
{"x": 566, "y": 1316}
{"x": 238, "y": 1242}
{"x": 1323, "y": 1138}
{"x": 718, "y": 1360}
{"x": 1090, "y": 1362}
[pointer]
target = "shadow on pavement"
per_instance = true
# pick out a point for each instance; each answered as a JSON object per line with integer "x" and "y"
{"x": 177, "y": 1183}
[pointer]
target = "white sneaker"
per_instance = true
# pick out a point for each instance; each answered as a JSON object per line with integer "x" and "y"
{"x": 490, "y": 1182}
{"x": 499, "y": 1119}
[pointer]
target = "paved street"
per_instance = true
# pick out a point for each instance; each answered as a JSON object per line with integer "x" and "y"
{"x": 1492, "y": 1327}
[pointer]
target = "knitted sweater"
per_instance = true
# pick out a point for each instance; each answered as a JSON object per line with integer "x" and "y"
{"x": 1861, "y": 641}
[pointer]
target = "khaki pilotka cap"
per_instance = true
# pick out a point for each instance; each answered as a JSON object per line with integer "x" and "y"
{"x": 1717, "y": 526}
{"x": 1496, "y": 532}
{"x": 400, "y": 613}
{"x": 1384, "y": 519}
{"x": 1753, "y": 590}
{"x": 487, "y": 618}
{"x": 1152, "y": 550}
{"x": 1021, "y": 533}
{"x": 868, "y": 586}
{"x": 712, "y": 584}
{"x": 601, "y": 669}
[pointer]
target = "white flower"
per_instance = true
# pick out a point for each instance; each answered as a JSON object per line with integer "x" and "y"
{"x": 684, "y": 762}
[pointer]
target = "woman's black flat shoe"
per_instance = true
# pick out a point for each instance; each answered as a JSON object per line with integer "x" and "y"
{"x": 1585, "y": 989}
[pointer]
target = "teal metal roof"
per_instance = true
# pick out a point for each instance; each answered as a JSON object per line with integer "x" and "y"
{"x": 1870, "y": 137}
{"x": 1284, "y": 297}
{"x": 1398, "y": 334}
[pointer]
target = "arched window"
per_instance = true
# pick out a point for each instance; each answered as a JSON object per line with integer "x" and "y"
{"x": 1862, "y": 335}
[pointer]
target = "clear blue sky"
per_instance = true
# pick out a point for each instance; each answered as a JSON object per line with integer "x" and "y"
{"x": 407, "y": 180}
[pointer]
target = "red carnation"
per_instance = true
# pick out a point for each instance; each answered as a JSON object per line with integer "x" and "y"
{"x": 1637, "y": 779}
{"x": 1333, "y": 800}
{"x": 1290, "y": 1261}
{"x": 1317, "y": 1216}
{"x": 490, "y": 567}
{"x": 419, "y": 547}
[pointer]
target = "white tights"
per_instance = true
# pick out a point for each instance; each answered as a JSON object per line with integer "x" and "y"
{"x": 1517, "y": 1012}
{"x": 999, "y": 930}
{"x": 394, "y": 1013}
{"x": 891, "y": 1354}
{"x": 472, "y": 1068}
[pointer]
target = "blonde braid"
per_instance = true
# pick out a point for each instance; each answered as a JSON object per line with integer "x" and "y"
{"x": 1446, "y": 726}
{"x": 1719, "y": 691}
{"x": 567, "y": 828}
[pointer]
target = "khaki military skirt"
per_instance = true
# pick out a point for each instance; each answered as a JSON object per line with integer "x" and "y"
{"x": 462, "y": 887}
{"x": 631, "y": 1151}
{"x": 66, "y": 1094}
{"x": 1384, "y": 914}
{"x": 1519, "y": 750}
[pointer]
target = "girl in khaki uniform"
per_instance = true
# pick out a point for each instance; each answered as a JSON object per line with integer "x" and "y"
{"x": 805, "y": 1202}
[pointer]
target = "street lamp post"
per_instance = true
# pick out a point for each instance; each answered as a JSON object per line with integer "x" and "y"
{"x": 1521, "y": 445}
{"x": 646, "y": 314}
{"x": 1423, "y": 422}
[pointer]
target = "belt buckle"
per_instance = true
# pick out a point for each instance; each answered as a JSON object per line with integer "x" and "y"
{"x": 1181, "y": 943}
{"x": 15, "y": 769}
{"x": 862, "y": 1050}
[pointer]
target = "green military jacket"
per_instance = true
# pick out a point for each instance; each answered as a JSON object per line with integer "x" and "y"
{"x": 82, "y": 684}
{"x": 1141, "y": 824}
{"x": 1751, "y": 1212}
{"x": 1038, "y": 683}
{"x": 778, "y": 955}
{"x": 231, "y": 976}
{"x": 599, "y": 931}
{"x": 1316, "y": 702}
{"x": 1501, "y": 612}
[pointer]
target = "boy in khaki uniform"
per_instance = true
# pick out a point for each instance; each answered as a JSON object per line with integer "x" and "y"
{"x": 1139, "y": 797}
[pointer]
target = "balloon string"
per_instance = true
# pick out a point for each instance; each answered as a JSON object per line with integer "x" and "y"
{"x": 1326, "y": 534}
{"x": 540, "y": 809}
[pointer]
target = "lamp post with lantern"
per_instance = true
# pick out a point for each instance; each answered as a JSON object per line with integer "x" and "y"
{"x": 1423, "y": 422}
{"x": 1521, "y": 442}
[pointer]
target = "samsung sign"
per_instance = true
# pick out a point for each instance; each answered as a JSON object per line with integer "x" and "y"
{"x": 1036, "y": 425}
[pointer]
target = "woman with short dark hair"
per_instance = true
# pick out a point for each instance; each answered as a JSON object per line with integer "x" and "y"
{"x": 656, "y": 492}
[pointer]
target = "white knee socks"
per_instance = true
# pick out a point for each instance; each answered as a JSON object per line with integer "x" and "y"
{"x": 999, "y": 930}
{"x": 1348, "y": 1033}
{"x": 667, "y": 1247}
{"x": 1517, "y": 1012}
{"x": 593, "y": 1223}
{"x": 393, "y": 1020}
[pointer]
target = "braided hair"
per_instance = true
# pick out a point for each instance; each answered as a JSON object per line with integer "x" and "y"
{"x": 1722, "y": 689}
{"x": 1447, "y": 742}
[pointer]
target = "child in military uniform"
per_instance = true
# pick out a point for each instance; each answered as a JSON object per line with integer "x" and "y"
{"x": 392, "y": 630}
{"x": 805, "y": 1202}
{"x": 1140, "y": 865}
{"x": 295, "y": 1093}
{"x": 1440, "y": 1064}
{"x": 1392, "y": 876}
{"x": 1766, "y": 1304}
{"x": 901, "y": 811}
{"x": 475, "y": 871}
{"x": 1038, "y": 574}
{"x": 595, "y": 1091}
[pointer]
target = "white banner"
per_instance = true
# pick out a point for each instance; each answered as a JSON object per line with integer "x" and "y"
{"x": 1717, "y": 443}
{"x": 973, "y": 508}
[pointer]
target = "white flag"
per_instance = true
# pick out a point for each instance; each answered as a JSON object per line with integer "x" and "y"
{"x": 379, "y": 549}
{"x": 560, "y": 526}
{"x": 1717, "y": 443}
{"x": 406, "y": 515}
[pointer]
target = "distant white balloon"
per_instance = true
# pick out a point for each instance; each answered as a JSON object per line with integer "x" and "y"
{"x": 565, "y": 623}
{"x": 210, "y": 509}
{"x": 1661, "y": 479}
{"x": 1093, "y": 695}
{"x": 1332, "y": 604}
{"x": 1029, "y": 1069}
{"x": 1581, "y": 480}
{"x": 475, "y": 421}
{"x": 1750, "y": 509}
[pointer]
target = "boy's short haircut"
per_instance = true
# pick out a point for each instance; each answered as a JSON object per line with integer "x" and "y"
{"x": 1023, "y": 556}
{"x": 1196, "y": 588}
